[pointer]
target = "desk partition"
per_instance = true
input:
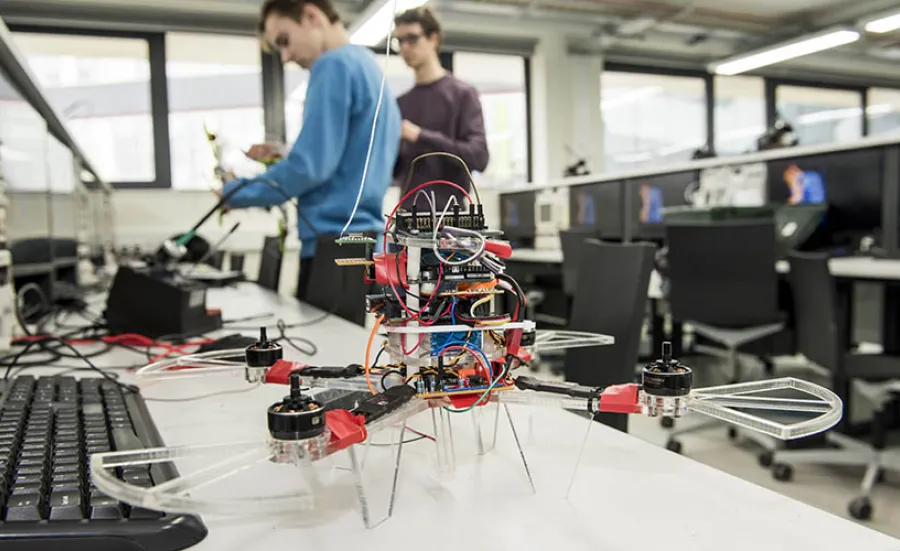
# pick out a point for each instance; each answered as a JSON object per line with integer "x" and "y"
{"x": 858, "y": 182}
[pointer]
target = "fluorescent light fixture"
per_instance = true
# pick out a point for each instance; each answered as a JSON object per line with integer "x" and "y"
{"x": 884, "y": 24}
{"x": 806, "y": 45}
{"x": 375, "y": 24}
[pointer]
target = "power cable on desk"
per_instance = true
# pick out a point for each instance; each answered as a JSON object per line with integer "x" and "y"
{"x": 104, "y": 374}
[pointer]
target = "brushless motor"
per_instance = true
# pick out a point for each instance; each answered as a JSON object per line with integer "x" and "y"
{"x": 297, "y": 417}
{"x": 263, "y": 353}
{"x": 665, "y": 386}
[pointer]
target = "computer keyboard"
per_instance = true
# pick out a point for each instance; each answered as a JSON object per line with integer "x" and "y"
{"x": 49, "y": 427}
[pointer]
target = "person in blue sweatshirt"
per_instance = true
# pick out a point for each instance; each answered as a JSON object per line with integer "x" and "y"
{"x": 324, "y": 168}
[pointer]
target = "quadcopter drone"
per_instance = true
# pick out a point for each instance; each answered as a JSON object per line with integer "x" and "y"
{"x": 453, "y": 346}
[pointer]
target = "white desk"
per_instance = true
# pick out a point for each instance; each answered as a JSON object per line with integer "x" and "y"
{"x": 629, "y": 495}
{"x": 851, "y": 267}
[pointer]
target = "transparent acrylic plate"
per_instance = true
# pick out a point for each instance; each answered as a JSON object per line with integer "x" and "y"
{"x": 202, "y": 364}
{"x": 818, "y": 410}
{"x": 309, "y": 480}
{"x": 561, "y": 340}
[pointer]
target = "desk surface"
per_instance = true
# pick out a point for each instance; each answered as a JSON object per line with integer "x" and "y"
{"x": 629, "y": 494}
{"x": 850, "y": 267}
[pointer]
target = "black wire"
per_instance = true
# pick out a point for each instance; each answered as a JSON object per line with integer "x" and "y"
{"x": 311, "y": 351}
{"x": 104, "y": 374}
{"x": 248, "y": 318}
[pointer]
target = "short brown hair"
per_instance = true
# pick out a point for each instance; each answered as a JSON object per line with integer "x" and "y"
{"x": 424, "y": 16}
{"x": 294, "y": 10}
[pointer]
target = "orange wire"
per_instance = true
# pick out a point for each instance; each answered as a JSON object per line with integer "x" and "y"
{"x": 369, "y": 350}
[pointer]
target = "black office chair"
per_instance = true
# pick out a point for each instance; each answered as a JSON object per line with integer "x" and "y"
{"x": 723, "y": 284}
{"x": 270, "y": 264}
{"x": 875, "y": 377}
{"x": 609, "y": 299}
{"x": 571, "y": 244}
{"x": 339, "y": 290}
{"x": 236, "y": 262}
{"x": 216, "y": 260}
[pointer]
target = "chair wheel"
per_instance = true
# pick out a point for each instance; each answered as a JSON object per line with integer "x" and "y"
{"x": 783, "y": 472}
{"x": 861, "y": 508}
{"x": 674, "y": 446}
{"x": 732, "y": 433}
{"x": 765, "y": 459}
{"x": 667, "y": 422}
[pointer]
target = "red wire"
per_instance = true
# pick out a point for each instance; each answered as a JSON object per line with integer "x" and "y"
{"x": 387, "y": 225}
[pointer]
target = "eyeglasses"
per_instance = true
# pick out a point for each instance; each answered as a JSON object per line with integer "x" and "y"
{"x": 398, "y": 41}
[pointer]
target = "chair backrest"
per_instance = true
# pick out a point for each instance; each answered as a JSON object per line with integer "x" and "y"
{"x": 216, "y": 259}
{"x": 723, "y": 273}
{"x": 610, "y": 299}
{"x": 340, "y": 290}
{"x": 236, "y": 262}
{"x": 571, "y": 244}
{"x": 270, "y": 264}
{"x": 818, "y": 330}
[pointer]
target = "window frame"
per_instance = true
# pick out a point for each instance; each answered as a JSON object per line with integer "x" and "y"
{"x": 159, "y": 99}
{"x": 272, "y": 85}
{"x": 706, "y": 77}
{"x": 772, "y": 85}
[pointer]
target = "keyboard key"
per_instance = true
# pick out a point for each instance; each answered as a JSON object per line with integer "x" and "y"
{"x": 26, "y": 507}
{"x": 105, "y": 507}
{"x": 66, "y": 505}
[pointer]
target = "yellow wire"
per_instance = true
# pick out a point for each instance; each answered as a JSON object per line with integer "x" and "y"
{"x": 478, "y": 303}
{"x": 443, "y": 154}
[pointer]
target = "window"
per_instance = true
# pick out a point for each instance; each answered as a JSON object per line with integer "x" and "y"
{"x": 883, "y": 110}
{"x": 400, "y": 79}
{"x": 651, "y": 120}
{"x": 214, "y": 83}
{"x": 821, "y": 115}
{"x": 740, "y": 114}
{"x": 500, "y": 81}
{"x": 101, "y": 86}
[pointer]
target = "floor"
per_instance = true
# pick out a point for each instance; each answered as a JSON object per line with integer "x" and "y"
{"x": 830, "y": 489}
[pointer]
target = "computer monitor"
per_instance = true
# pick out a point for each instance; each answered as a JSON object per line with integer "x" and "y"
{"x": 849, "y": 183}
{"x": 597, "y": 209}
{"x": 650, "y": 195}
{"x": 517, "y": 219}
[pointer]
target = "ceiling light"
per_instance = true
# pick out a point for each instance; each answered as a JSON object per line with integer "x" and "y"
{"x": 375, "y": 24}
{"x": 782, "y": 52}
{"x": 884, "y": 25}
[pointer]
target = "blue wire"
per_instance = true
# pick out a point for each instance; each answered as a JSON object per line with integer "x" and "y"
{"x": 453, "y": 312}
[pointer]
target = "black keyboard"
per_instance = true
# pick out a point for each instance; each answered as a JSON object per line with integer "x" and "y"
{"x": 49, "y": 427}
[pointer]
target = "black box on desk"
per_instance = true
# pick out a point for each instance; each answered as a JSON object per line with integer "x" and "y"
{"x": 153, "y": 304}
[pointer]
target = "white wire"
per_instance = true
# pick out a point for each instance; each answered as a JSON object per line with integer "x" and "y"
{"x": 362, "y": 183}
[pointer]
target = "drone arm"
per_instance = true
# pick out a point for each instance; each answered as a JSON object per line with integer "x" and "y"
{"x": 623, "y": 398}
{"x": 280, "y": 373}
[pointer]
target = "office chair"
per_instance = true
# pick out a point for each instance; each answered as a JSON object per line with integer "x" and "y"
{"x": 874, "y": 377}
{"x": 236, "y": 262}
{"x": 609, "y": 299}
{"x": 270, "y": 264}
{"x": 723, "y": 284}
{"x": 216, "y": 260}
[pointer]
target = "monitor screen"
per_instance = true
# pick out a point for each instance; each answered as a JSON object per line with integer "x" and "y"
{"x": 849, "y": 182}
{"x": 596, "y": 208}
{"x": 517, "y": 214}
{"x": 650, "y": 195}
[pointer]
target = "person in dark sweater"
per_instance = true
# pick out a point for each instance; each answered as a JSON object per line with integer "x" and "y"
{"x": 440, "y": 114}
